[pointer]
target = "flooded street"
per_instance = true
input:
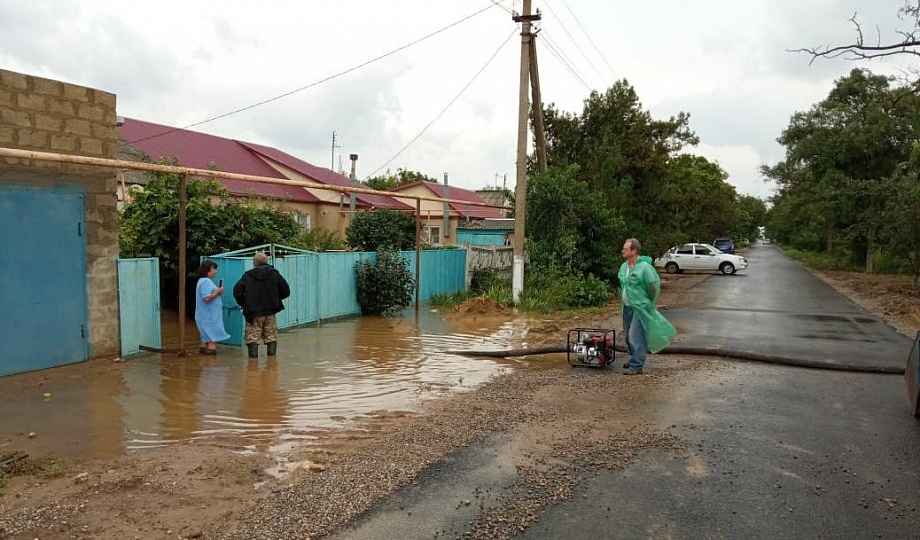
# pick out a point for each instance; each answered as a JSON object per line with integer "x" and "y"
{"x": 324, "y": 377}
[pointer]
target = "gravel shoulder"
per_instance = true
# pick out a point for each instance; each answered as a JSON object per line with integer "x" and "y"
{"x": 549, "y": 413}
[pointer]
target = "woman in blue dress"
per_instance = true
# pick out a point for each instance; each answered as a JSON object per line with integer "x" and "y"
{"x": 209, "y": 308}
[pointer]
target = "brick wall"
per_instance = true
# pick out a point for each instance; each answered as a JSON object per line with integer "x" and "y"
{"x": 52, "y": 116}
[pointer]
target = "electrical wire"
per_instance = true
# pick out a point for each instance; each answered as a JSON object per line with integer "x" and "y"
{"x": 577, "y": 46}
{"x": 552, "y": 48}
{"x": 436, "y": 118}
{"x": 585, "y": 32}
{"x": 329, "y": 78}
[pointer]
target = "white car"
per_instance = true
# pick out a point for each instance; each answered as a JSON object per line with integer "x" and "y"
{"x": 700, "y": 257}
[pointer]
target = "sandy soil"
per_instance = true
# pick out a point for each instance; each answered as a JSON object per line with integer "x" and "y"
{"x": 216, "y": 490}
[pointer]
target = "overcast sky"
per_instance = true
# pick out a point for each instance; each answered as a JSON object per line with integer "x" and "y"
{"x": 176, "y": 62}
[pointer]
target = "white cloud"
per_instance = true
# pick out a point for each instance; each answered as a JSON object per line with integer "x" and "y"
{"x": 178, "y": 62}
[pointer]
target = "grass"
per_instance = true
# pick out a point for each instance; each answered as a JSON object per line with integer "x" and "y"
{"x": 816, "y": 261}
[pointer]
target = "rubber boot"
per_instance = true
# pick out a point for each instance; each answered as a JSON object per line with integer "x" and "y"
{"x": 272, "y": 348}
{"x": 253, "y": 350}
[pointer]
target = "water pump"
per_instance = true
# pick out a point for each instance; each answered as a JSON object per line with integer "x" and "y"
{"x": 590, "y": 347}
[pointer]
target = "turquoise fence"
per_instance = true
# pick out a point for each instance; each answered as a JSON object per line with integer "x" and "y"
{"x": 323, "y": 285}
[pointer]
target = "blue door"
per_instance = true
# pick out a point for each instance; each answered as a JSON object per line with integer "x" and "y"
{"x": 43, "y": 320}
{"x": 139, "y": 303}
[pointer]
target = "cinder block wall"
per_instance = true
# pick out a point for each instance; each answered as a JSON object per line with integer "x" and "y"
{"x": 52, "y": 116}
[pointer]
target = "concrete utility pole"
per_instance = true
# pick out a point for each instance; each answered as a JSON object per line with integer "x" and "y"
{"x": 520, "y": 190}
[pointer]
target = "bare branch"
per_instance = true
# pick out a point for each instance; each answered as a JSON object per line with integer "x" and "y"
{"x": 859, "y": 50}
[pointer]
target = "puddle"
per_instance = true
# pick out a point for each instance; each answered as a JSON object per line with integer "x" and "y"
{"x": 324, "y": 377}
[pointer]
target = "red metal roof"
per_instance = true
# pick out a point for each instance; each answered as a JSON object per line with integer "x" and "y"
{"x": 203, "y": 151}
{"x": 325, "y": 176}
{"x": 458, "y": 193}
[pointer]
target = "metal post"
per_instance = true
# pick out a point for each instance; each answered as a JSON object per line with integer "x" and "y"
{"x": 446, "y": 227}
{"x": 353, "y": 197}
{"x": 182, "y": 264}
{"x": 418, "y": 251}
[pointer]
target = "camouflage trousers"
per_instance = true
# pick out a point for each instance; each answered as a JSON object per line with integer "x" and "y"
{"x": 263, "y": 328}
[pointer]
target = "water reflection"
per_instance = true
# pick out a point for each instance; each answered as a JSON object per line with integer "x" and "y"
{"x": 324, "y": 377}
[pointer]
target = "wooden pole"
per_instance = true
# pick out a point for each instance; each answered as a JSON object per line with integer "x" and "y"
{"x": 182, "y": 268}
{"x": 539, "y": 134}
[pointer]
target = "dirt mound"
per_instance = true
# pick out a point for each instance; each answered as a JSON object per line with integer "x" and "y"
{"x": 482, "y": 306}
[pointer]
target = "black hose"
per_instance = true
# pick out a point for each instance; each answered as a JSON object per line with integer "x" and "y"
{"x": 703, "y": 351}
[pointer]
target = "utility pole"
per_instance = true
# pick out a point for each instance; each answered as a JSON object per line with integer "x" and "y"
{"x": 334, "y": 146}
{"x": 520, "y": 189}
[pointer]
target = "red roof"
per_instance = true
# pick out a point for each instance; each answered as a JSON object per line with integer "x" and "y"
{"x": 458, "y": 193}
{"x": 202, "y": 151}
{"x": 325, "y": 176}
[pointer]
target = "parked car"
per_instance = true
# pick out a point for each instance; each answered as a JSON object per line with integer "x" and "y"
{"x": 700, "y": 257}
{"x": 725, "y": 245}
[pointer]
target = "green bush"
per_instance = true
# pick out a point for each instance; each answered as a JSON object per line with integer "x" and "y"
{"x": 381, "y": 230}
{"x": 551, "y": 291}
{"x": 385, "y": 286}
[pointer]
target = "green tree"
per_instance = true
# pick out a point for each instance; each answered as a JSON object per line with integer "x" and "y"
{"x": 900, "y": 215}
{"x": 381, "y": 229}
{"x": 388, "y": 180}
{"x": 149, "y": 226}
{"x": 839, "y": 156}
{"x": 621, "y": 151}
{"x": 572, "y": 229}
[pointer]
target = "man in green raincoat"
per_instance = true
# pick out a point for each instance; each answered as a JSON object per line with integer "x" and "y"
{"x": 646, "y": 329}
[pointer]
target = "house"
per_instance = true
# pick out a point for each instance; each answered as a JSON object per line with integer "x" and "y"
{"x": 486, "y": 232}
{"x": 311, "y": 207}
{"x": 58, "y": 225}
{"x": 440, "y": 221}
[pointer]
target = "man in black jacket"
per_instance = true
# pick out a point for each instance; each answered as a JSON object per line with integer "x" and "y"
{"x": 260, "y": 292}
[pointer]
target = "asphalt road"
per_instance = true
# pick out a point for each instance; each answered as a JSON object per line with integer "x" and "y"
{"x": 778, "y": 308}
{"x": 773, "y": 451}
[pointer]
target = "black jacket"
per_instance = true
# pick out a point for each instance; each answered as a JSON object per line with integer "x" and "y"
{"x": 260, "y": 292}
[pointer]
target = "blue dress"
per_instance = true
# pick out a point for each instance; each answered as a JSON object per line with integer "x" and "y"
{"x": 209, "y": 315}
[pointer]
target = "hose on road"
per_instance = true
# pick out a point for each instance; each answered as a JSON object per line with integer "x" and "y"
{"x": 704, "y": 351}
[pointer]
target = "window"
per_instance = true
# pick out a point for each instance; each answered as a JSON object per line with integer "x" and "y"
{"x": 686, "y": 249}
{"x": 302, "y": 219}
{"x": 703, "y": 250}
{"x": 431, "y": 234}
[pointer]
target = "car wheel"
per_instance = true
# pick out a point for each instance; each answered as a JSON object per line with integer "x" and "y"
{"x": 727, "y": 268}
{"x": 672, "y": 268}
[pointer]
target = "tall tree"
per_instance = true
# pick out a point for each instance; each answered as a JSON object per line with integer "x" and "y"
{"x": 621, "y": 151}
{"x": 840, "y": 153}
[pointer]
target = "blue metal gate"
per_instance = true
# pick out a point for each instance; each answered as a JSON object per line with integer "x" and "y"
{"x": 139, "y": 304}
{"x": 43, "y": 322}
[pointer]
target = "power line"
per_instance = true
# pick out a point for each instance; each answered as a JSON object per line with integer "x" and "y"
{"x": 585, "y": 32}
{"x": 577, "y": 46}
{"x": 329, "y": 78}
{"x": 553, "y": 49}
{"x": 436, "y": 118}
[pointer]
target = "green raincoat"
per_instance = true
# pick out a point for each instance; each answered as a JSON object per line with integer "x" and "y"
{"x": 658, "y": 331}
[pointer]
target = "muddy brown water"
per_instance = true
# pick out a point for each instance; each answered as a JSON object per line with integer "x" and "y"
{"x": 324, "y": 377}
